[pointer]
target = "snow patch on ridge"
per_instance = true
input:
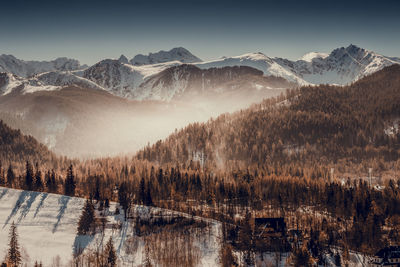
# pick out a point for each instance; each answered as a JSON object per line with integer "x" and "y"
{"x": 309, "y": 57}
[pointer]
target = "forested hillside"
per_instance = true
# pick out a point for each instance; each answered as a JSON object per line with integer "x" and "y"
{"x": 355, "y": 124}
{"x": 16, "y": 147}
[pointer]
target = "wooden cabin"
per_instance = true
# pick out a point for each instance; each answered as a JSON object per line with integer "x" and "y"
{"x": 388, "y": 256}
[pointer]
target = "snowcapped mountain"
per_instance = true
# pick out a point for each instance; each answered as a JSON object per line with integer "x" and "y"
{"x": 188, "y": 80}
{"x": 255, "y": 60}
{"x": 176, "y": 54}
{"x": 122, "y": 79}
{"x": 342, "y": 66}
{"x": 11, "y": 64}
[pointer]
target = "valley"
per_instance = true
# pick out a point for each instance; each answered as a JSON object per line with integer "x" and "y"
{"x": 167, "y": 160}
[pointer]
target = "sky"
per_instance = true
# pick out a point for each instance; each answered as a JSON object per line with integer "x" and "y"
{"x": 93, "y": 30}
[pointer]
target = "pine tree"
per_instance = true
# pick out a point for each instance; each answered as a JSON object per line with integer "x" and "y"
{"x": 148, "y": 198}
{"x": 70, "y": 184}
{"x": 110, "y": 254}
{"x": 2, "y": 176}
{"x": 123, "y": 198}
{"x": 97, "y": 189}
{"x": 87, "y": 220}
{"x": 38, "y": 179}
{"x": 338, "y": 260}
{"x": 14, "y": 255}
{"x": 142, "y": 192}
{"x": 53, "y": 181}
{"x": 10, "y": 176}
{"x": 47, "y": 179}
{"x": 28, "y": 176}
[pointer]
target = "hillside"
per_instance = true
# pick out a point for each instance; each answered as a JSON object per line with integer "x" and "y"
{"x": 16, "y": 147}
{"x": 320, "y": 124}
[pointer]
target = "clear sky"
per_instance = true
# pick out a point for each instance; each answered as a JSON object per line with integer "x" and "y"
{"x": 93, "y": 30}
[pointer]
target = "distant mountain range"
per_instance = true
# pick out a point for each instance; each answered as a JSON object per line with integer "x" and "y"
{"x": 22, "y": 68}
{"x": 167, "y": 75}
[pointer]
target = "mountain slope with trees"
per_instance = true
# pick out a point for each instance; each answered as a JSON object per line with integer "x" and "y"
{"x": 16, "y": 147}
{"x": 310, "y": 125}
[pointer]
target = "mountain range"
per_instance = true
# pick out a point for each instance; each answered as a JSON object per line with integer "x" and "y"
{"x": 115, "y": 107}
{"x": 139, "y": 78}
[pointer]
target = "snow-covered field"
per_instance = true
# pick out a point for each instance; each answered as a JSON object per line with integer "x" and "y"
{"x": 47, "y": 223}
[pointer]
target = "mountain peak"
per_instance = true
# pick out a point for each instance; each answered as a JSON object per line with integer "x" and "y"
{"x": 175, "y": 54}
{"x": 353, "y": 49}
{"x": 123, "y": 59}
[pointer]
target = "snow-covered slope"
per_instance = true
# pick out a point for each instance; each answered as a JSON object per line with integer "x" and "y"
{"x": 122, "y": 79}
{"x": 11, "y": 64}
{"x": 64, "y": 78}
{"x": 47, "y": 81}
{"x": 8, "y": 82}
{"x": 47, "y": 223}
{"x": 176, "y": 54}
{"x": 11, "y": 83}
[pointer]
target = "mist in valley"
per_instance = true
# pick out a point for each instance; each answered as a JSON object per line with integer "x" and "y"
{"x": 88, "y": 123}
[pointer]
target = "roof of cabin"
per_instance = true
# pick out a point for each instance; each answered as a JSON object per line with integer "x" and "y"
{"x": 389, "y": 252}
